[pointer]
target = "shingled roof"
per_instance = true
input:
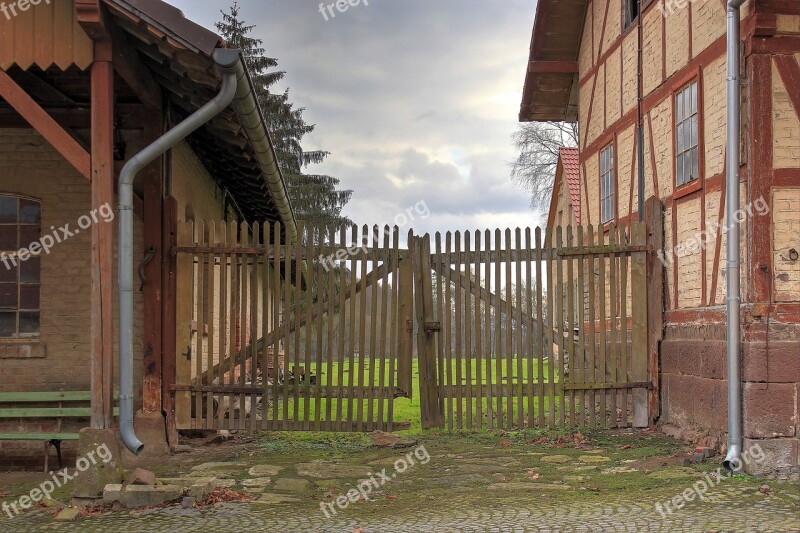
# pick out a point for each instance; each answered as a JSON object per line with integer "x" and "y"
{"x": 568, "y": 171}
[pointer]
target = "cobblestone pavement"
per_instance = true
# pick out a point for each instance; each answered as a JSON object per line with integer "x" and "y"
{"x": 730, "y": 512}
{"x": 464, "y": 486}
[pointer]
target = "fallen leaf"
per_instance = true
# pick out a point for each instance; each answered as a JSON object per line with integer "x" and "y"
{"x": 504, "y": 443}
{"x": 359, "y": 530}
{"x": 627, "y": 446}
{"x": 391, "y": 497}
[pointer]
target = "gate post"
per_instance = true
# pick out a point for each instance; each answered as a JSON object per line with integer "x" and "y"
{"x": 426, "y": 327}
{"x": 405, "y": 324}
{"x": 639, "y": 354}
{"x": 183, "y": 325}
{"x": 654, "y": 218}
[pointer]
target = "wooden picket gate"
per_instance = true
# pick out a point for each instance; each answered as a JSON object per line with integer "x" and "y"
{"x": 321, "y": 330}
{"x": 288, "y": 332}
{"x": 543, "y": 329}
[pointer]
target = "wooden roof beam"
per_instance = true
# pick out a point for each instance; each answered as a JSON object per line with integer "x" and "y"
{"x": 44, "y": 124}
{"x": 90, "y": 16}
{"x": 131, "y": 69}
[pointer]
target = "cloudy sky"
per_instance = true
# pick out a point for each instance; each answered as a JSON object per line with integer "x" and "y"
{"x": 415, "y": 99}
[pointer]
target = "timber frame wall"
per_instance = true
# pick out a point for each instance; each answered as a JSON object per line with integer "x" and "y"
{"x": 678, "y": 47}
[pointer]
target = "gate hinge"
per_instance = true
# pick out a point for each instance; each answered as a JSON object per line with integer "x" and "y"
{"x": 431, "y": 327}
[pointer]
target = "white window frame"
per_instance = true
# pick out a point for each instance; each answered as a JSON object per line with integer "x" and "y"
{"x": 687, "y": 138}
{"x": 607, "y": 184}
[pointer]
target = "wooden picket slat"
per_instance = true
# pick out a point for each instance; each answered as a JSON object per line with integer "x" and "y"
{"x": 592, "y": 365}
{"x": 197, "y": 351}
{"x": 330, "y": 275}
{"x": 550, "y": 339}
{"x": 540, "y": 343}
{"x": 478, "y": 334}
{"x": 394, "y": 324}
{"x": 603, "y": 356}
{"x": 342, "y": 328}
{"x": 209, "y": 320}
{"x": 458, "y": 336}
{"x": 468, "y": 354}
{"x": 362, "y": 330}
{"x": 622, "y": 370}
{"x": 373, "y": 331}
{"x": 570, "y": 375}
{"x": 580, "y": 354}
{"x": 559, "y": 327}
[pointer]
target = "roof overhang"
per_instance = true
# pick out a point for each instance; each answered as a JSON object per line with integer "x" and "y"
{"x": 551, "y": 81}
{"x": 178, "y": 53}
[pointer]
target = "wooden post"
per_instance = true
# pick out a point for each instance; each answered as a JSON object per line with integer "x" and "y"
{"x": 426, "y": 344}
{"x": 183, "y": 322}
{"x": 102, "y": 163}
{"x": 169, "y": 237}
{"x": 654, "y": 218}
{"x": 405, "y": 327}
{"x": 153, "y": 194}
{"x": 639, "y": 354}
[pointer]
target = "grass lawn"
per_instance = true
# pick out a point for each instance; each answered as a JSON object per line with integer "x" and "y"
{"x": 407, "y": 410}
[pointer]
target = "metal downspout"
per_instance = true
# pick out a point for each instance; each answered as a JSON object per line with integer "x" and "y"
{"x": 227, "y": 61}
{"x": 733, "y": 459}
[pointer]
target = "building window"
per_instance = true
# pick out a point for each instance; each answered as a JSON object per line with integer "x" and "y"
{"x": 630, "y": 11}
{"x": 686, "y": 136}
{"x": 607, "y": 179}
{"x": 20, "y": 276}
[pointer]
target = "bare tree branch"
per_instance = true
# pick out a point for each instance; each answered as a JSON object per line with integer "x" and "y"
{"x": 538, "y": 145}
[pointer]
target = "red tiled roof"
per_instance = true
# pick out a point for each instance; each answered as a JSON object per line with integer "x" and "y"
{"x": 570, "y": 160}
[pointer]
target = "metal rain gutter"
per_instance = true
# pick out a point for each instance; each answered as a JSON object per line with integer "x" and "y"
{"x": 252, "y": 120}
{"x": 229, "y": 63}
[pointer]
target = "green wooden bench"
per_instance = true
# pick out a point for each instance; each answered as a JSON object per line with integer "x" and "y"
{"x": 60, "y": 405}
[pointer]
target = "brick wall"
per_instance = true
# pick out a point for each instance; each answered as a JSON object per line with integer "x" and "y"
{"x": 60, "y": 359}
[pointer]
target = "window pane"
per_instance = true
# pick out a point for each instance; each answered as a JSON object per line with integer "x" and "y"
{"x": 28, "y": 235}
{"x": 8, "y": 238}
{"x": 687, "y": 167}
{"x": 679, "y": 138}
{"x": 694, "y": 97}
{"x": 687, "y": 105}
{"x": 8, "y": 324}
{"x": 30, "y": 212}
{"x": 693, "y": 128}
{"x": 679, "y": 170}
{"x": 28, "y": 323}
{"x": 29, "y": 296}
{"x": 8, "y": 273}
{"x": 8, "y": 296}
{"x": 695, "y": 162}
{"x": 8, "y": 209}
{"x": 29, "y": 270}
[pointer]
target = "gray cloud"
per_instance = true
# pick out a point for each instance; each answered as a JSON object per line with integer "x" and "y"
{"x": 415, "y": 99}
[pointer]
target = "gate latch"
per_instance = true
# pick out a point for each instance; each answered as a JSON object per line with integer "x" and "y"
{"x": 431, "y": 327}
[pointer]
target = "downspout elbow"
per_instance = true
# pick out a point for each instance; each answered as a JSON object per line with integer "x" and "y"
{"x": 229, "y": 63}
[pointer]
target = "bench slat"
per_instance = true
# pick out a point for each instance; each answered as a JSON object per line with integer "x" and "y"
{"x": 57, "y": 396}
{"x": 49, "y": 412}
{"x": 62, "y": 396}
{"x": 39, "y": 436}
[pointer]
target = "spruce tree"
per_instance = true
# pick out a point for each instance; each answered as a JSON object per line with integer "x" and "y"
{"x": 316, "y": 199}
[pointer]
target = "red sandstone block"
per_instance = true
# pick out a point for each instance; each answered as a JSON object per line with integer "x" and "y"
{"x": 769, "y": 410}
{"x": 776, "y": 362}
